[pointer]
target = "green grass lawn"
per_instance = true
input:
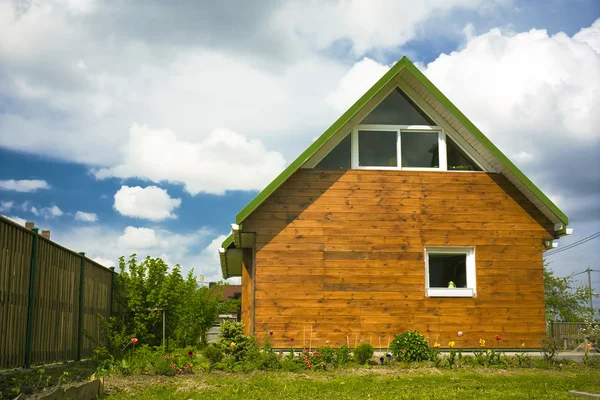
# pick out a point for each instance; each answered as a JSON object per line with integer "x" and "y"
{"x": 361, "y": 384}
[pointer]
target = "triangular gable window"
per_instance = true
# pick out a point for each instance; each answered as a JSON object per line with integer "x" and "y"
{"x": 458, "y": 160}
{"x": 397, "y": 109}
{"x": 339, "y": 157}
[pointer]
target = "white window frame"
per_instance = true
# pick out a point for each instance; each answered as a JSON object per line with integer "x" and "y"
{"x": 470, "y": 290}
{"x": 442, "y": 154}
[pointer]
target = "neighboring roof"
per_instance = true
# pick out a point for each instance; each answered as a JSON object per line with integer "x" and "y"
{"x": 404, "y": 64}
{"x": 230, "y": 291}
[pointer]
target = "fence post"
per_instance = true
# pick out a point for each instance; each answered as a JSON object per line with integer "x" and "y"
{"x": 29, "y": 333}
{"x": 112, "y": 291}
{"x": 81, "y": 298}
{"x": 551, "y": 329}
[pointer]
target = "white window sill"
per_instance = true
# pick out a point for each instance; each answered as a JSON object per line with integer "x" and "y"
{"x": 449, "y": 292}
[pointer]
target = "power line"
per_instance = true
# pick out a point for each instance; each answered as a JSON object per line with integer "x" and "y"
{"x": 572, "y": 245}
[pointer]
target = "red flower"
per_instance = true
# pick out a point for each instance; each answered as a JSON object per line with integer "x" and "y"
{"x": 271, "y": 333}
{"x": 498, "y": 337}
{"x": 291, "y": 339}
{"x": 190, "y": 353}
{"x": 134, "y": 340}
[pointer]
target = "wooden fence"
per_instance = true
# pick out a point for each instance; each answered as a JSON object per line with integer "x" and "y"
{"x": 49, "y": 296}
{"x": 570, "y": 334}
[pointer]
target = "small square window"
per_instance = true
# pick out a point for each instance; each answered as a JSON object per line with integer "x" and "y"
{"x": 450, "y": 272}
{"x": 377, "y": 148}
{"x": 420, "y": 150}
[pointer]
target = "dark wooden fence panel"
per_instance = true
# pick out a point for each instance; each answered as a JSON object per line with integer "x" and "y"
{"x": 56, "y": 292}
{"x": 96, "y": 302}
{"x": 15, "y": 262}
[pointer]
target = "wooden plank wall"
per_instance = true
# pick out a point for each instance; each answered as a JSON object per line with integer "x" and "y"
{"x": 343, "y": 252}
{"x": 56, "y": 299}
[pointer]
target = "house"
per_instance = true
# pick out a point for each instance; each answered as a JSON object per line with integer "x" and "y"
{"x": 401, "y": 216}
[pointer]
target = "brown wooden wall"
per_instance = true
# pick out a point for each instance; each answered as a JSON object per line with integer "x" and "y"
{"x": 343, "y": 252}
{"x": 55, "y": 302}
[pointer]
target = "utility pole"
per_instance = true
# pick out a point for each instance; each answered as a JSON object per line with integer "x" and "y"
{"x": 589, "y": 271}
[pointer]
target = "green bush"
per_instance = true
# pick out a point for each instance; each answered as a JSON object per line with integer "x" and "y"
{"x": 342, "y": 356}
{"x": 268, "y": 361}
{"x": 213, "y": 354}
{"x": 233, "y": 342}
{"x": 363, "y": 353}
{"x": 410, "y": 346}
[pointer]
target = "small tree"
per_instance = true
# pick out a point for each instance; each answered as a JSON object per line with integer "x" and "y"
{"x": 565, "y": 300}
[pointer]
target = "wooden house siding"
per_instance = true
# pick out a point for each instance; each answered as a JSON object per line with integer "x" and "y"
{"x": 341, "y": 253}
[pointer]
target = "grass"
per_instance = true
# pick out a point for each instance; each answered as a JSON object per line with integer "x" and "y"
{"x": 361, "y": 384}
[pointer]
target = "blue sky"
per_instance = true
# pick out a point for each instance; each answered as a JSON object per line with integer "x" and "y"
{"x": 160, "y": 123}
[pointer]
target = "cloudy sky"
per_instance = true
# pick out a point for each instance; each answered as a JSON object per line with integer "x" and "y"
{"x": 145, "y": 126}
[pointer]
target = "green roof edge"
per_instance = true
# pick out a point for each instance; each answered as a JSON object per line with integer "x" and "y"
{"x": 487, "y": 143}
{"x": 317, "y": 144}
{"x": 364, "y": 99}
{"x": 228, "y": 241}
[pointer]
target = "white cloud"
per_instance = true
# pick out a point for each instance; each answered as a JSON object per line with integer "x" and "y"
{"x": 24, "y": 185}
{"x": 47, "y": 212}
{"x": 18, "y": 220}
{"x": 256, "y": 69}
{"x": 105, "y": 262}
{"x": 85, "y": 217}
{"x": 105, "y": 244}
{"x": 590, "y": 35}
{"x": 151, "y": 203}
{"x": 355, "y": 83}
{"x": 6, "y": 205}
{"x": 367, "y": 25}
{"x": 223, "y": 161}
{"x": 137, "y": 238}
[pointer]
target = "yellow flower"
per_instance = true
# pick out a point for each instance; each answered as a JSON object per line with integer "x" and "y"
{"x": 523, "y": 344}
{"x": 327, "y": 342}
{"x": 232, "y": 345}
{"x": 436, "y": 345}
{"x": 482, "y": 342}
{"x": 451, "y": 343}
{"x": 589, "y": 346}
{"x": 489, "y": 351}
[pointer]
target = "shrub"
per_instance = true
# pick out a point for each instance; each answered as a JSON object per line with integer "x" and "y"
{"x": 213, "y": 354}
{"x": 233, "y": 342}
{"x": 363, "y": 353}
{"x": 410, "y": 346}
{"x": 268, "y": 361}
{"x": 342, "y": 356}
{"x": 550, "y": 347}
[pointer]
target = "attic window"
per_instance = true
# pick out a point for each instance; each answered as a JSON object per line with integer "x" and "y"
{"x": 397, "y": 109}
{"x": 450, "y": 272}
{"x": 458, "y": 160}
{"x": 339, "y": 157}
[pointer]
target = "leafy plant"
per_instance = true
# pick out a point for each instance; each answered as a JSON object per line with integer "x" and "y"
{"x": 342, "y": 355}
{"x": 550, "y": 347}
{"x": 410, "y": 346}
{"x": 565, "y": 301}
{"x": 233, "y": 342}
{"x": 363, "y": 353}
{"x": 213, "y": 354}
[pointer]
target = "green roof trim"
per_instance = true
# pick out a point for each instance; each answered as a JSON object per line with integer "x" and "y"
{"x": 317, "y": 144}
{"x": 355, "y": 108}
{"x": 486, "y": 142}
{"x": 227, "y": 242}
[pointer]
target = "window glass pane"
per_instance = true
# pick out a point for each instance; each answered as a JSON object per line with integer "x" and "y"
{"x": 339, "y": 157}
{"x": 397, "y": 109}
{"x": 458, "y": 159}
{"x": 446, "y": 268}
{"x": 420, "y": 149}
{"x": 377, "y": 148}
